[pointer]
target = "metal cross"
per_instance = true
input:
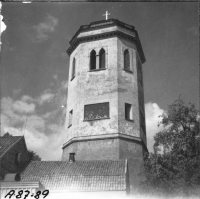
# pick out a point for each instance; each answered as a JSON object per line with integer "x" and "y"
{"x": 106, "y": 15}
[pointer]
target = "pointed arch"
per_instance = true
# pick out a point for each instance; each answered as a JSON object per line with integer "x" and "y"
{"x": 126, "y": 60}
{"x": 102, "y": 58}
{"x": 93, "y": 60}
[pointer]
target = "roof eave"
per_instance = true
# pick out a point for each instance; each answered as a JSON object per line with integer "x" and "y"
{"x": 105, "y": 35}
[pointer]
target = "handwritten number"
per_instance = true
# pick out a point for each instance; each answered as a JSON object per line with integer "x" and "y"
{"x": 45, "y": 193}
{"x": 27, "y": 191}
{"x": 19, "y": 195}
{"x": 37, "y": 195}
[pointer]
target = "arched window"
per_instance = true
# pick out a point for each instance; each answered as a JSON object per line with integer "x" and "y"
{"x": 102, "y": 60}
{"x": 93, "y": 60}
{"x": 73, "y": 68}
{"x": 126, "y": 60}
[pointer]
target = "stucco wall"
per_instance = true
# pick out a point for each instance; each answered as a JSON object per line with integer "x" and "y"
{"x": 91, "y": 88}
{"x": 113, "y": 85}
{"x": 93, "y": 150}
{"x": 128, "y": 91}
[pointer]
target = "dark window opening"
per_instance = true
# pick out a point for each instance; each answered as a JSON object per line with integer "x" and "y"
{"x": 17, "y": 158}
{"x": 70, "y": 118}
{"x": 93, "y": 60}
{"x": 128, "y": 111}
{"x": 96, "y": 111}
{"x": 73, "y": 68}
{"x": 102, "y": 60}
{"x": 126, "y": 60}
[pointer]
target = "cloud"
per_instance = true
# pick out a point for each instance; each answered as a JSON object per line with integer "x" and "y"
{"x": 23, "y": 107}
{"x": 64, "y": 85}
{"x": 8, "y": 112}
{"x": 44, "y": 131}
{"x": 45, "y": 97}
{"x": 45, "y": 28}
{"x": 194, "y": 31}
{"x": 44, "y": 138}
{"x": 152, "y": 113}
{"x": 26, "y": 98}
{"x": 55, "y": 77}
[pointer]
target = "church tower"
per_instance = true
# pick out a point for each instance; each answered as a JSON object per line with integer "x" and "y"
{"x": 105, "y": 117}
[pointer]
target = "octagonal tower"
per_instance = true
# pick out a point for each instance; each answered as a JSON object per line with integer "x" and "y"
{"x": 105, "y": 116}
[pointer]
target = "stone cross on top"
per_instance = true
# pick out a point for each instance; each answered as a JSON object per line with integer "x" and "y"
{"x": 106, "y": 14}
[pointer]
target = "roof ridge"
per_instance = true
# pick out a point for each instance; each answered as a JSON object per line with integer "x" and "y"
{"x": 80, "y": 161}
{"x": 11, "y": 136}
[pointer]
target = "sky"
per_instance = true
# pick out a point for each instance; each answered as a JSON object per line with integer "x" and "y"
{"x": 34, "y": 72}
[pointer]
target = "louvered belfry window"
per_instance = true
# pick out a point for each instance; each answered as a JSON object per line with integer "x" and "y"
{"x": 93, "y": 60}
{"x": 126, "y": 60}
{"x": 102, "y": 60}
{"x": 96, "y": 111}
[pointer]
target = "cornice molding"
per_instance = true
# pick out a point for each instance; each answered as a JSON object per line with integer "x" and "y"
{"x": 104, "y": 137}
{"x": 76, "y": 41}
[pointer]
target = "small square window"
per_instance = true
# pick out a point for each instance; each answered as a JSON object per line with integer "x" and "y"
{"x": 128, "y": 112}
{"x": 70, "y": 118}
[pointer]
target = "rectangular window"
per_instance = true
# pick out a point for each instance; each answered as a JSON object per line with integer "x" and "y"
{"x": 73, "y": 69}
{"x": 70, "y": 118}
{"x": 128, "y": 112}
{"x": 96, "y": 111}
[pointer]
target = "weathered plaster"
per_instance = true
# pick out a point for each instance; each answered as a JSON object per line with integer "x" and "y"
{"x": 113, "y": 85}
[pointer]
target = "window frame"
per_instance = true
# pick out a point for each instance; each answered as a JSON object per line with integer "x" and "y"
{"x": 130, "y": 112}
{"x": 93, "y": 59}
{"x": 102, "y": 50}
{"x": 129, "y": 60}
{"x": 94, "y": 119}
{"x": 73, "y": 69}
{"x": 70, "y": 118}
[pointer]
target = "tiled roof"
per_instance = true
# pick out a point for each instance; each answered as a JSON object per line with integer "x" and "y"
{"x": 7, "y": 142}
{"x": 77, "y": 176}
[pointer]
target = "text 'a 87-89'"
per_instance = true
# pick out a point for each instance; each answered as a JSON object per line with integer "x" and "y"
{"x": 25, "y": 194}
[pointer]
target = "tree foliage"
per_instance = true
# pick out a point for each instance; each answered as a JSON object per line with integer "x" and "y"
{"x": 33, "y": 156}
{"x": 174, "y": 167}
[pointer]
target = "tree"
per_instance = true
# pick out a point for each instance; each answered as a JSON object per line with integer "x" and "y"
{"x": 33, "y": 156}
{"x": 174, "y": 167}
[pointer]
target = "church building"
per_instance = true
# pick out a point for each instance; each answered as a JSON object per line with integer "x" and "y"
{"x": 105, "y": 105}
{"x": 105, "y": 120}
